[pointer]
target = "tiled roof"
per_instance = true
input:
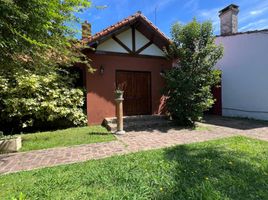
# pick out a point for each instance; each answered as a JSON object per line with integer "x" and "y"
{"x": 129, "y": 20}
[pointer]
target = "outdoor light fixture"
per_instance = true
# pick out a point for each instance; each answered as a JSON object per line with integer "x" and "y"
{"x": 162, "y": 72}
{"x": 101, "y": 70}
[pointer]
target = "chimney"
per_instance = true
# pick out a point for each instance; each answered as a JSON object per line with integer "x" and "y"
{"x": 86, "y": 30}
{"x": 229, "y": 22}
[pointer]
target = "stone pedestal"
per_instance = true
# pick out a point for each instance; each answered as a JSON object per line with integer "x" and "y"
{"x": 119, "y": 115}
{"x": 10, "y": 145}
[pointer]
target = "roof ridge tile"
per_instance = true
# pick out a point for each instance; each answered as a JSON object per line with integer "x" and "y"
{"x": 122, "y": 23}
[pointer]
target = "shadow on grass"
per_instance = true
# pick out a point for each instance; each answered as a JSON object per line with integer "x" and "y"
{"x": 214, "y": 173}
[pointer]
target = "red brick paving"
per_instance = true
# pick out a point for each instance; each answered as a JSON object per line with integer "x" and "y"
{"x": 132, "y": 142}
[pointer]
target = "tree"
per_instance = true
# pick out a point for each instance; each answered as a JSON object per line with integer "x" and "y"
{"x": 35, "y": 32}
{"x": 37, "y": 46}
{"x": 188, "y": 85}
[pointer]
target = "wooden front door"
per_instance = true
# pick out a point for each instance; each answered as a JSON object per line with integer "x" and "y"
{"x": 137, "y": 92}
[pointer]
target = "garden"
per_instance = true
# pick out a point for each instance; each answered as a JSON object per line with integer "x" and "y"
{"x": 42, "y": 107}
{"x": 231, "y": 168}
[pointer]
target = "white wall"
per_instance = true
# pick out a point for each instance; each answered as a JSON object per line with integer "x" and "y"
{"x": 152, "y": 50}
{"x": 245, "y": 75}
{"x": 111, "y": 46}
{"x": 141, "y": 40}
{"x": 126, "y": 37}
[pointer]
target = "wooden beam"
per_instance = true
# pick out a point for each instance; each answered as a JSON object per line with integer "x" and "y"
{"x": 144, "y": 47}
{"x": 122, "y": 44}
{"x": 128, "y": 55}
{"x": 133, "y": 39}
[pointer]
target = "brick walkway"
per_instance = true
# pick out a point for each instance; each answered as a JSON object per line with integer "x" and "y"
{"x": 132, "y": 142}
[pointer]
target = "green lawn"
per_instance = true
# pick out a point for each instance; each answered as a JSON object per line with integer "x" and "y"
{"x": 234, "y": 168}
{"x": 66, "y": 137}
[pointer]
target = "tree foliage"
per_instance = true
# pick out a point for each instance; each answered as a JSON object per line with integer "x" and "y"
{"x": 36, "y": 32}
{"x": 37, "y": 46}
{"x": 188, "y": 85}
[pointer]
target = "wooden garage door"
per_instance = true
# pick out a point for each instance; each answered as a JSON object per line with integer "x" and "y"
{"x": 137, "y": 91}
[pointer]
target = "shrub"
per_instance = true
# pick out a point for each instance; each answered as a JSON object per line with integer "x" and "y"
{"x": 31, "y": 99}
{"x": 188, "y": 85}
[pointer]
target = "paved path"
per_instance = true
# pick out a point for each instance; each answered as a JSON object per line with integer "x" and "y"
{"x": 214, "y": 128}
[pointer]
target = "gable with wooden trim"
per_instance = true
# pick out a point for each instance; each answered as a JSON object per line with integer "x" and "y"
{"x": 131, "y": 42}
{"x": 135, "y": 35}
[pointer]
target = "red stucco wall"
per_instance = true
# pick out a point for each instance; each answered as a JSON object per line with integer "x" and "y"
{"x": 100, "y": 87}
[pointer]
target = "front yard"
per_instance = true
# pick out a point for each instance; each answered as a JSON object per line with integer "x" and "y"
{"x": 66, "y": 137}
{"x": 232, "y": 168}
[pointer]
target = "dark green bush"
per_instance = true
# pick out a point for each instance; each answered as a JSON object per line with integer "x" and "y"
{"x": 188, "y": 84}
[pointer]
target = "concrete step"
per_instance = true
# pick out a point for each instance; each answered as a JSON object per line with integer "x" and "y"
{"x": 140, "y": 122}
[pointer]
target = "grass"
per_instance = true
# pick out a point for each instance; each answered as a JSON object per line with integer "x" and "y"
{"x": 66, "y": 137}
{"x": 199, "y": 127}
{"x": 233, "y": 168}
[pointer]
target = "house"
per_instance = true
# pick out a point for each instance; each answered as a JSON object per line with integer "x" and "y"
{"x": 244, "y": 68}
{"x": 128, "y": 54}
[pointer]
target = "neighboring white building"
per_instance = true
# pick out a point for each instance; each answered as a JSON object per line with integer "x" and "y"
{"x": 244, "y": 68}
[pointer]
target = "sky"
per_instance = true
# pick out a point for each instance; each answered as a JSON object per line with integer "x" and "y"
{"x": 253, "y": 14}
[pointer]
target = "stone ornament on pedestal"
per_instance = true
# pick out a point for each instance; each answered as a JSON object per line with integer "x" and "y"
{"x": 119, "y": 111}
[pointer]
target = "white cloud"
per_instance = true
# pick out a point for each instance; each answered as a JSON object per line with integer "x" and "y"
{"x": 258, "y": 11}
{"x": 96, "y": 17}
{"x": 250, "y": 15}
{"x": 212, "y": 15}
{"x": 260, "y": 24}
{"x": 252, "y": 12}
{"x": 191, "y": 5}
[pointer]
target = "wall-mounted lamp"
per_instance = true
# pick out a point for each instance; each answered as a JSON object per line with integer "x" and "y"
{"x": 101, "y": 70}
{"x": 162, "y": 72}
